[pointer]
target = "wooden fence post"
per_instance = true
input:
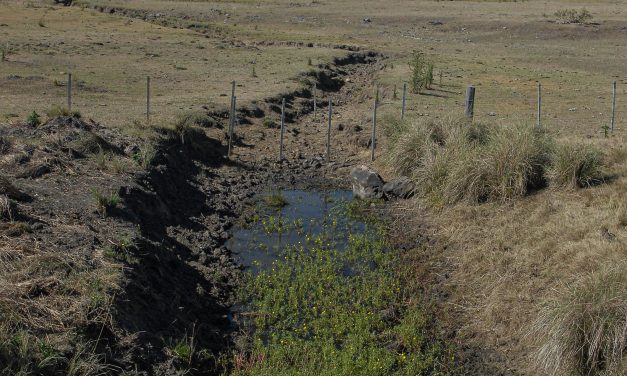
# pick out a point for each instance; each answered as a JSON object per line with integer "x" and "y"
{"x": 232, "y": 125}
{"x": 148, "y": 100}
{"x": 314, "y": 102}
{"x": 329, "y": 130}
{"x": 231, "y": 117}
{"x": 404, "y": 99}
{"x": 69, "y": 92}
{"x": 539, "y": 123}
{"x": 282, "y": 130}
{"x": 470, "y": 102}
{"x": 613, "y": 105}
{"x": 374, "y": 124}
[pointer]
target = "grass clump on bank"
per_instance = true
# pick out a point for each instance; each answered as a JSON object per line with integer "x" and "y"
{"x": 583, "y": 327}
{"x": 575, "y": 166}
{"x": 453, "y": 160}
{"x": 58, "y": 111}
{"x": 330, "y": 312}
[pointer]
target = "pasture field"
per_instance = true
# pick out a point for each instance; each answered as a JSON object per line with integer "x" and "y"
{"x": 489, "y": 269}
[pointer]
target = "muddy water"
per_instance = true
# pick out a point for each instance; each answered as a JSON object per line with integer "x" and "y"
{"x": 307, "y": 215}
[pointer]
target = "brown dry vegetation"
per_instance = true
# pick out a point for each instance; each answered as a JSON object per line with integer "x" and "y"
{"x": 500, "y": 269}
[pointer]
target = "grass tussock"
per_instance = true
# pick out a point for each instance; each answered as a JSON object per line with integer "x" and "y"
{"x": 105, "y": 202}
{"x": 58, "y": 111}
{"x": 452, "y": 160}
{"x": 575, "y": 166}
{"x": 194, "y": 118}
{"x": 583, "y": 327}
{"x": 275, "y": 200}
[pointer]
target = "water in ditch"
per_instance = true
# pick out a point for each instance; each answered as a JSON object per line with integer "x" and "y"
{"x": 305, "y": 215}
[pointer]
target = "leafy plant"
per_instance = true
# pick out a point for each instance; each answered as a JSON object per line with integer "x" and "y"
{"x": 421, "y": 72}
{"x": 33, "y": 119}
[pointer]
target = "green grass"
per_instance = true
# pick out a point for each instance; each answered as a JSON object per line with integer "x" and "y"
{"x": 312, "y": 317}
{"x": 145, "y": 156}
{"x": 105, "y": 202}
{"x": 121, "y": 251}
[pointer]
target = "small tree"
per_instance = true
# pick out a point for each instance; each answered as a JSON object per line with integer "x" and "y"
{"x": 421, "y": 72}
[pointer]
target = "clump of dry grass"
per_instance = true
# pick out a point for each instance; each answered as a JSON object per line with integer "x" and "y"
{"x": 7, "y": 208}
{"x": 583, "y": 327}
{"x": 47, "y": 299}
{"x": 575, "y": 166}
{"x": 453, "y": 160}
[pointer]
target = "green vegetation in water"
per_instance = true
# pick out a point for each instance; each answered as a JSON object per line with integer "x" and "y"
{"x": 323, "y": 311}
{"x": 277, "y": 225}
{"x": 275, "y": 200}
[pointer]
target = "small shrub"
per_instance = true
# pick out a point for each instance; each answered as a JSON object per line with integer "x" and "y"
{"x": 33, "y": 119}
{"x": 581, "y": 329}
{"x": 105, "y": 202}
{"x": 568, "y": 16}
{"x": 574, "y": 166}
{"x": 58, "y": 111}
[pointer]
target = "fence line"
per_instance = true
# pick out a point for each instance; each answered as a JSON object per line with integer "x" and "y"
{"x": 600, "y": 107}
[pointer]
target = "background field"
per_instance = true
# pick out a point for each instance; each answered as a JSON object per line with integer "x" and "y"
{"x": 501, "y": 260}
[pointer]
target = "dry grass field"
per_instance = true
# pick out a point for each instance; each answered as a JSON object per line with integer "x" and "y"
{"x": 499, "y": 264}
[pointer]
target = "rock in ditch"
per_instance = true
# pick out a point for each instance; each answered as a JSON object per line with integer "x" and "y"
{"x": 367, "y": 183}
{"x": 402, "y": 187}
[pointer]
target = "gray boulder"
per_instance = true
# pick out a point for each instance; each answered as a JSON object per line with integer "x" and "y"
{"x": 367, "y": 184}
{"x": 402, "y": 187}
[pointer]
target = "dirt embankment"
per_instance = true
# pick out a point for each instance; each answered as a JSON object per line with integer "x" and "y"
{"x": 209, "y": 27}
{"x": 122, "y": 267}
